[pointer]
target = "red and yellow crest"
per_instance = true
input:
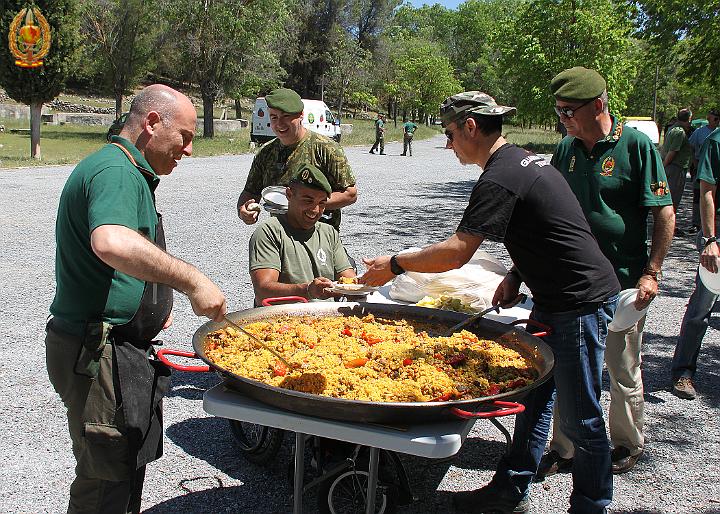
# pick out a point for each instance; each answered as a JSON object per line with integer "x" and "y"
{"x": 29, "y": 41}
{"x": 608, "y": 165}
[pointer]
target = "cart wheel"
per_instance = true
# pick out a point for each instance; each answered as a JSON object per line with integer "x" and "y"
{"x": 259, "y": 444}
{"x": 345, "y": 494}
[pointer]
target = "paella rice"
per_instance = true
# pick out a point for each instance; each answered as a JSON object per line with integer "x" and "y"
{"x": 369, "y": 358}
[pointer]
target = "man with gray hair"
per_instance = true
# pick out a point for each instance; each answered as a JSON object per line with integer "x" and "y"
{"x": 113, "y": 297}
{"x": 617, "y": 175}
{"x": 523, "y": 202}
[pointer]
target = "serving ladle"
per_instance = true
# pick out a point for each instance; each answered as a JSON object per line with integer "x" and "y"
{"x": 258, "y": 341}
{"x": 472, "y": 319}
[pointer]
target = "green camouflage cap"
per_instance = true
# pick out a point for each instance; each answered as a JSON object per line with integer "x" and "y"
{"x": 310, "y": 176}
{"x": 285, "y": 100}
{"x": 577, "y": 84}
{"x": 462, "y": 104}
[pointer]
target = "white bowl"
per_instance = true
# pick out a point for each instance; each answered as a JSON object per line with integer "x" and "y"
{"x": 626, "y": 315}
{"x": 709, "y": 279}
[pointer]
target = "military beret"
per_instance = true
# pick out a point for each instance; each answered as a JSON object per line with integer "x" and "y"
{"x": 577, "y": 84}
{"x": 462, "y": 104}
{"x": 310, "y": 176}
{"x": 285, "y": 100}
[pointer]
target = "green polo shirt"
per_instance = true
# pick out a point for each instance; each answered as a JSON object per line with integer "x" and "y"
{"x": 709, "y": 162}
{"x": 409, "y": 127}
{"x": 299, "y": 255}
{"x": 676, "y": 140}
{"x": 103, "y": 189}
{"x": 616, "y": 184}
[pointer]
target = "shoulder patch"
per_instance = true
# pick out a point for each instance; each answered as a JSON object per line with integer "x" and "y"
{"x": 659, "y": 188}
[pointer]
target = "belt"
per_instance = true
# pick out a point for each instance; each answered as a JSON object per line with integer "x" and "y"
{"x": 73, "y": 328}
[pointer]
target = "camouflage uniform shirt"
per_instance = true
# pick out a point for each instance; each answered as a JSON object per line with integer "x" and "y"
{"x": 274, "y": 164}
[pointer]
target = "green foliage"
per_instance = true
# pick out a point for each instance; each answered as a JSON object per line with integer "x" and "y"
{"x": 43, "y": 84}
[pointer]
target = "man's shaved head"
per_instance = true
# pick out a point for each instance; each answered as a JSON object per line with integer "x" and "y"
{"x": 159, "y": 98}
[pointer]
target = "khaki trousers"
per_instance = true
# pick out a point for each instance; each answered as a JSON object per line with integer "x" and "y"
{"x": 105, "y": 482}
{"x": 627, "y": 405}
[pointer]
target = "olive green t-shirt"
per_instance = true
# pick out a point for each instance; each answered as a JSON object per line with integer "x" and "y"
{"x": 616, "y": 184}
{"x": 676, "y": 140}
{"x": 275, "y": 163}
{"x": 299, "y": 255}
{"x": 709, "y": 162}
{"x": 410, "y": 128}
{"x": 103, "y": 189}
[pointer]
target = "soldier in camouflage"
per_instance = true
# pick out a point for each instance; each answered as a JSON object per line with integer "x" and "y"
{"x": 276, "y": 162}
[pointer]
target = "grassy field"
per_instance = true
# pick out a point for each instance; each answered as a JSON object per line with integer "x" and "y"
{"x": 68, "y": 144}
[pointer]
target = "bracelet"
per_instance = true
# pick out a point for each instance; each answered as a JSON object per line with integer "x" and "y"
{"x": 654, "y": 274}
{"x": 307, "y": 291}
{"x": 395, "y": 266}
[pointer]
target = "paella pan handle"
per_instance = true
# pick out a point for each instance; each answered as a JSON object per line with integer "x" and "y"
{"x": 267, "y": 302}
{"x": 545, "y": 329}
{"x": 161, "y": 355}
{"x": 503, "y": 409}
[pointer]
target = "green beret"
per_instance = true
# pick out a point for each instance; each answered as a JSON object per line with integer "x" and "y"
{"x": 310, "y": 176}
{"x": 462, "y": 104}
{"x": 577, "y": 84}
{"x": 285, "y": 100}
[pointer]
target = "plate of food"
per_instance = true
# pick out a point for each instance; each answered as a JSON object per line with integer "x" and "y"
{"x": 351, "y": 286}
{"x": 275, "y": 196}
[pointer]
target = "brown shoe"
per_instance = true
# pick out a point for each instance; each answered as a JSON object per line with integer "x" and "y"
{"x": 550, "y": 464}
{"x": 622, "y": 461}
{"x": 684, "y": 388}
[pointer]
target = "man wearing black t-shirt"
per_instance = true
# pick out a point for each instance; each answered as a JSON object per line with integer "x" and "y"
{"x": 523, "y": 202}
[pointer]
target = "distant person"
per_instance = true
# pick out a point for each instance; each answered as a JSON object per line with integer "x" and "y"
{"x": 379, "y": 135}
{"x": 113, "y": 296}
{"x": 677, "y": 154}
{"x": 599, "y": 152}
{"x": 697, "y": 316}
{"x": 293, "y": 146}
{"x": 409, "y": 129}
{"x": 697, "y": 138}
{"x": 294, "y": 255}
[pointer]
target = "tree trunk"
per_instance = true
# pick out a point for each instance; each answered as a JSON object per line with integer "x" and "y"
{"x": 208, "y": 126}
{"x": 118, "y": 105}
{"x": 238, "y": 109}
{"x": 35, "y": 118}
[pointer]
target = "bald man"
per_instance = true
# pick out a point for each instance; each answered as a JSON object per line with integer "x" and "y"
{"x": 113, "y": 296}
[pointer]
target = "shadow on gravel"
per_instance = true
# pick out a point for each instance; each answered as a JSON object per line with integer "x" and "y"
{"x": 222, "y": 499}
{"x": 191, "y": 386}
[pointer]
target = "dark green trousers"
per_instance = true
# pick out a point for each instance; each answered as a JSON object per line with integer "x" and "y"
{"x": 105, "y": 482}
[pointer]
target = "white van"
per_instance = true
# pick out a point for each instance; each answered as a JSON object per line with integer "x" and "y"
{"x": 646, "y": 125}
{"x": 316, "y": 117}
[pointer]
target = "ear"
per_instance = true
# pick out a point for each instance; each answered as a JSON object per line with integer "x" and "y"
{"x": 289, "y": 192}
{"x": 151, "y": 121}
{"x": 471, "y": 124}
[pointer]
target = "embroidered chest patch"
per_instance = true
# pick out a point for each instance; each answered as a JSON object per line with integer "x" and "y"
{"x": 571, "y": 167}
{"x": 608, "y": 165}
{"x": 659, "y": 188}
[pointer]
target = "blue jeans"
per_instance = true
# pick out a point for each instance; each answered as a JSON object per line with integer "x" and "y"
{"x": 578, "y": 343}
{"x": 693, "y": 328}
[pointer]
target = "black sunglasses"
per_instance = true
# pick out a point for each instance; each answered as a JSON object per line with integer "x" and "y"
{"x": 569, "y": 112}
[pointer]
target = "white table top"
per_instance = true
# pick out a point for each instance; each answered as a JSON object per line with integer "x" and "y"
{"x": 434, "y": 440}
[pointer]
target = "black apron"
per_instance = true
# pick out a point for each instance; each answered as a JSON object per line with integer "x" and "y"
{"x": 143, "y": 379}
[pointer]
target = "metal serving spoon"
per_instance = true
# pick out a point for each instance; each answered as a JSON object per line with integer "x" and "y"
{"x": 258, "y": 341}
{"x": 472, "y": 319}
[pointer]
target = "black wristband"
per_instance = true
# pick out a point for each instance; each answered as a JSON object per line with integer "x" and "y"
{"x": 708, "y": 240}
{"x": 395, "y": 267}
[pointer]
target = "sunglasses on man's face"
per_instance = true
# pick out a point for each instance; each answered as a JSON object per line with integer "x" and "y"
{"x": 569, "y": 112}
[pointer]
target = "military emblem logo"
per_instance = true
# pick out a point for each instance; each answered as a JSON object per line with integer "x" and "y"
{"x": 608, "y": 165}
{"x": 571, "y": 168}
{"x": 306, "y": 175}
{"x": 321, "y": 256}
{"x": 659, "y": 188}
{"x": 29, "y": 41}
{"x": 311, "y": 118}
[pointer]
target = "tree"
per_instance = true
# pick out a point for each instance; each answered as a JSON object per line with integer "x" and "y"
{"x": 348, "y": 72}
{"x": 549, "y": 36}
{"x": 219, "y": 39}
{"x": 36, "y": 86}
{"x": 122, "y": 39}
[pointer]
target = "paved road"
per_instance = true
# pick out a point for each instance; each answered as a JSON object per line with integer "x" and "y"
{"x": 403, "y": 202}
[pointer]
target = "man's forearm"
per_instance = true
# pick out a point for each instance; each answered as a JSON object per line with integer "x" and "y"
{"x": 446, "y": 255}
{"x": 663, "y": 229}
{"x": 340, "y": 199}
{"x": 707, "y": 208}
{"x": 669, "y": 158}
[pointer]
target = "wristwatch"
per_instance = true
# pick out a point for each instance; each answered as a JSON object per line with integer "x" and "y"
{"x": 395, "y": 267}
{"x": 652, "y": 273}
{"x": 707, "y": 240}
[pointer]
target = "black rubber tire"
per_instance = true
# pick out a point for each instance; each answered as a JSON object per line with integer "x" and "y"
{"x": 344, "y": 493}
{"x": 257, "y": 443}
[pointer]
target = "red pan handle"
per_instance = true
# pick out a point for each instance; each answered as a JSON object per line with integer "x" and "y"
{"x": 162, "y": 352}
{"x": 267, "y": 302}
{"x": 546, "y": 330}
{"x": 503, "y": 409}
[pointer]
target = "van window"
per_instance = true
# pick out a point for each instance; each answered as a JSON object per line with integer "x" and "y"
{"x": 329, "y": 117}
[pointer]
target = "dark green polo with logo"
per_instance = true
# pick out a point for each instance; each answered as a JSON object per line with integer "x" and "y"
{"x": 105, "y": 188}
{"x": 709, "y": 162}
{"x": 616, "y": 184}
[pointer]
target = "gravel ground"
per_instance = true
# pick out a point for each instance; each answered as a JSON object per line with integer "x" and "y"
{"x": 403, "y": 202}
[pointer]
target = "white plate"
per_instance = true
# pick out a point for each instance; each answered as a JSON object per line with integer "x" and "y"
{"x": 352, "y": 289}
{"x": 274, "y": 210}
{"x": 275, "y": 195}
{"x": 709, "y": 279}
{"x": 626, "y": 315}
